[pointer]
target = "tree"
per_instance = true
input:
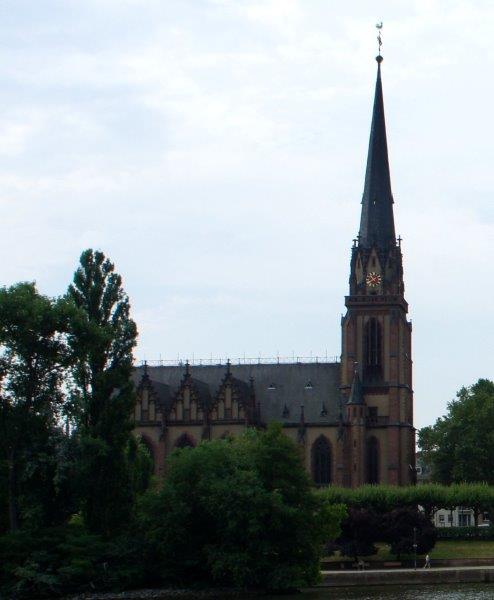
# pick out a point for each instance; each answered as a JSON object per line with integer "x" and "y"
{"x": 102, "y": 339}
{"x": 429, "y": 496}
{"x": 239, "y": 512}
{"x": 33, "y": 357}
{"x": 398, "y": 531}
{"x": 359, "y": 533}
{"x": 460, "y": 445}
{"x": 140, "y": 465}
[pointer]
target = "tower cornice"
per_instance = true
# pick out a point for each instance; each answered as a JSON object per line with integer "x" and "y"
{"x": 368, "y": 300}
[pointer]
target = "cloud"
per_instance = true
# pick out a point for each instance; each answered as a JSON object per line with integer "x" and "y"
{"x": 216, "y": 151}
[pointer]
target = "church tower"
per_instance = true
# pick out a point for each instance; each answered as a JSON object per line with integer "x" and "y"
{"x": 376, "y": 370}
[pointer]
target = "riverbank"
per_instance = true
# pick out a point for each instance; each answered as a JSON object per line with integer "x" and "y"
{"x": 165, "y": 594}
{"x": 382, "y": 577}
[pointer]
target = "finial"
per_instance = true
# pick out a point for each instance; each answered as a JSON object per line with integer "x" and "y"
{"x": 145, "y": 368}
{"x": 379, "y": 58}
{"x": 187, "y": 368}
{"x": 228, "y": 367}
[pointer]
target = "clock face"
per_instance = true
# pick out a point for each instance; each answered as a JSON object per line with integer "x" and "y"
{"x": 373, "y": 279}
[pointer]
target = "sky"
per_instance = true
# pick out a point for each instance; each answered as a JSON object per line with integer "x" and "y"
{"x": 215, "y": 150}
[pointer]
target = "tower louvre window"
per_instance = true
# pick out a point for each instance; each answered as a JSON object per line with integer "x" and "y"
{"x": 373, "y": 350}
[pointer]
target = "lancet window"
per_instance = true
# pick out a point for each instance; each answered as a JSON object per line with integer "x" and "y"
{"x": 321, "y": 461}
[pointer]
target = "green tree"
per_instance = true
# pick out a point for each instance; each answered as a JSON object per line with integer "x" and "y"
{"x": 33, "y": 357}
{"x": 102, "y": 339}
{"x": 140, "y": 465}
{"x": 239, "y": 512}
{"x": 460, "y": 445}
{"x": 398, "y": 530}
{"x": 359, "y": 533}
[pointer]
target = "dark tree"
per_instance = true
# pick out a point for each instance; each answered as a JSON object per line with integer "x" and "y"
{"x": 32, "y": 360}
{"x": 102, "y": 339}
{"x": 359, "y": 533}
{"x": 398, "y": 531}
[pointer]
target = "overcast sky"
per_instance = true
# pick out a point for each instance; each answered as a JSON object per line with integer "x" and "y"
{"x": 215, "y": 150}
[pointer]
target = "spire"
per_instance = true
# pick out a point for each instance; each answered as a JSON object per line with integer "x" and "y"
{"x": 356, "y": 392}
{"x": 376, "y": 222}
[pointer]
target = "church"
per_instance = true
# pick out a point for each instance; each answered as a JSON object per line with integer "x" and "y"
{"x": 353, "y": 419}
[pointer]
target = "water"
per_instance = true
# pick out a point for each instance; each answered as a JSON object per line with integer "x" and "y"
{"x": 480, "y": 591}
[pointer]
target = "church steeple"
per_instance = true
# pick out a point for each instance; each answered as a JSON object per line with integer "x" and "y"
{"x": 377, "y": 223}
{"x": 376, "y": 265}
{"x": 375, "y": 331}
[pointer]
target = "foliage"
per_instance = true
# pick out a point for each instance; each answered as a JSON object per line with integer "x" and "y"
{"x": 465, "y": 533}
{"x": 460, "y": 446}
{"x": 101, "y": 340}
{"x": 359, "y": 533}
{"x": 239, "y": 512}
{"x": 33, "y": 356}
{"x": 398, "y": 531}
{"x": 140, "y": 465}
{"x": 430, "y": 497}
{"x": 68, "y": 559}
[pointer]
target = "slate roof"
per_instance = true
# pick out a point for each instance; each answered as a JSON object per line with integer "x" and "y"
{"x": 377, "y": 221}
{"x": 164, "y": 393}
{"x": 280, "y": 389}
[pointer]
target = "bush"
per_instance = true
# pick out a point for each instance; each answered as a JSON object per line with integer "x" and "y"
{"x": 62, "y": 560}
{"x": 465, "y": 533}
{"x": 239, "y": 512}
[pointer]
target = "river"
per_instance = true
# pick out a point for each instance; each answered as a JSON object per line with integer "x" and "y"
{"x": 481, "y": 591}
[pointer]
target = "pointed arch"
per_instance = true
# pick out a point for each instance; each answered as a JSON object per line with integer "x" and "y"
{"x": 373, "y": 350}
{"x": 185, "y": 441}
{"x": 372, "y": 460}
{"x": 321, "y": 461}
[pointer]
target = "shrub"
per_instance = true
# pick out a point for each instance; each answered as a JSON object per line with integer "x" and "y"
{"x": 62, "y": 560}
{"x": 465, "y": 533}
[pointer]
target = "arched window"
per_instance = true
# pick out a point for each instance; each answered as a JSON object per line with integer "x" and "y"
{"x": 372, "y": 460}
{"x": 373, "y": 350}
{"x": 321, "y": 461}
{"x": 184, "y": 441}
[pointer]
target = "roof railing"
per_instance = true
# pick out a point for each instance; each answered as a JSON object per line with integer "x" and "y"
{"x": 244, "y": 360}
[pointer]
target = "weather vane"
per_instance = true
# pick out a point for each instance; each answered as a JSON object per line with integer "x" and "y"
{"x": 379, "y": 26}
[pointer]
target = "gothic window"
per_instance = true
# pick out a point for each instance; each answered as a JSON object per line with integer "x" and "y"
{"x": 373, "y": 350}
{"x": 321, "y": 461}
{"x": 372, "y": 460}
{"x": 184, "y": 441}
